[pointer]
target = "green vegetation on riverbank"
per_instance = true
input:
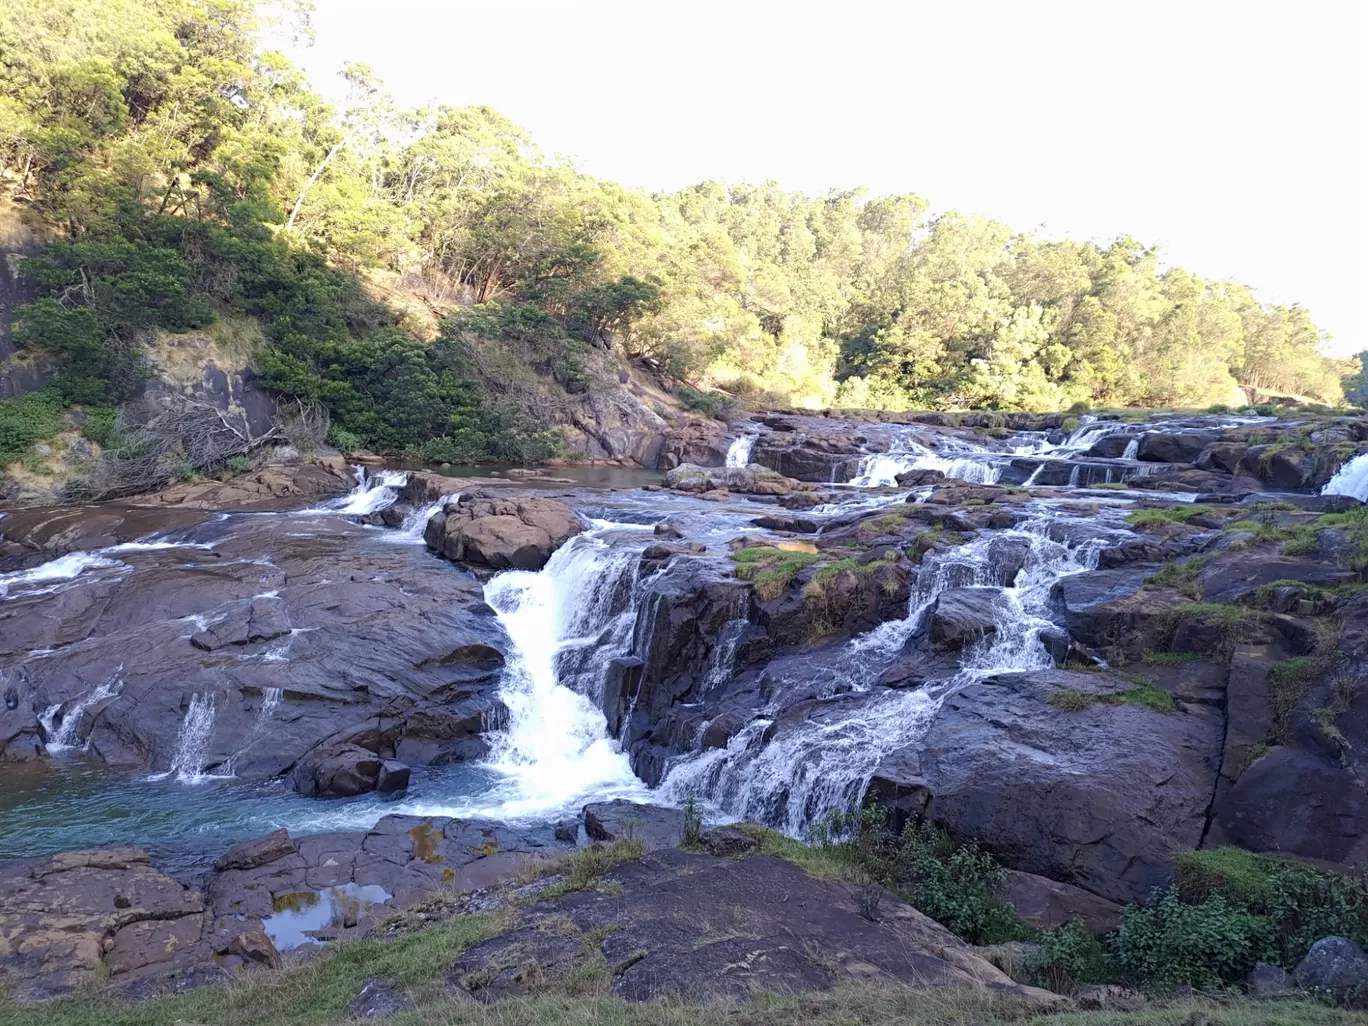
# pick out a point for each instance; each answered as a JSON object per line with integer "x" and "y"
{"x": 443, "y": 288}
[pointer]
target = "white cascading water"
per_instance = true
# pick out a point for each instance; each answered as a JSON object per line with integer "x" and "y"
{"x": 65, "y": 736}
{"x": 565, "y": 622}
{"x": 192, "y": 743}
{"x": 410, "y": 532}
{"x": 1351, "y": 479}
{"x": 1132, "y": 449}
{"x": 824, "y": 763}
{"x": 881, "y": 470}
{"x": 53, "y": 572}
{"x": 738, "y": 453}
{"x": 372, "y": 493}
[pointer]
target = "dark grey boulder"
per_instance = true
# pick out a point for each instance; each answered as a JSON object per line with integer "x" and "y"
{"x": 1269, "y": 983}
{"x": 377, "y": 1000}
{"x": 1337, "y": 967}
{"x": 345, "y": 771}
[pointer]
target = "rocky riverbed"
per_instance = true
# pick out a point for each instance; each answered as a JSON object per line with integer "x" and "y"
{"x": 243, "y": 718}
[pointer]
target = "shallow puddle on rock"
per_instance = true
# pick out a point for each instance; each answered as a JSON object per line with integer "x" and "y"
{"x": 300, "y": 913}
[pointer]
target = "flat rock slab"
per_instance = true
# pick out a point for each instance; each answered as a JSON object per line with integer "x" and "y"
{"x": 402, "y": 855}
{"x": 703, "y": 928}
{"x": 64, "y": 918}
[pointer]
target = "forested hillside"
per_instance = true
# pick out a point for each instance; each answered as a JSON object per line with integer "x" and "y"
{"x": 441, "y": 286}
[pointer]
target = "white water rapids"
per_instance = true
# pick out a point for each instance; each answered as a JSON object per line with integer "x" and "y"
{"x": 566, "y": 621}
{"x": 1351, "y": 479}
{"x": 823, "y": 763}
{"x": 739, "y": 452}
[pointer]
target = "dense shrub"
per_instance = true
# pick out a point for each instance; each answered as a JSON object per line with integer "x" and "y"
{"x": 1070, "y": 957}
{"x": 27, "y": 420}
{"x": 707, "y": 403}
{"x": 957, "y": 885}
{"x": 1172, "y": 944}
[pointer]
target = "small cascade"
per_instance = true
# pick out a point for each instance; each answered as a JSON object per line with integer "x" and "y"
{"x": 52, "y": 573}
{"x": 63, "y": 734}
{"x": 270, "y": 701}
{"x": 192, "y": 743}
{"x": 566, "y": 623}
{"x": 415, "y": 522}
{"x": 824, "y": 763}
{"x": 881, "y": 470}
{"x": 738, "y": 453}
{"x": 724, "y": 653}
{"x": 1132, "y": 449}
{"x": 373, "y": 492}
{"x": 1350, "y": 479}
{"x": 1035, "y": 475}
{"x": 1073, "y": 476}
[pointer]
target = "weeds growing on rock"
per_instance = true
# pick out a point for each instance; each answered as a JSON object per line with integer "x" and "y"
{"x": 1148, "y": 518}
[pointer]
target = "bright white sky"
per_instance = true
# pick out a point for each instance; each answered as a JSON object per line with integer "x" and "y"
{"x": 1230, "y": 134}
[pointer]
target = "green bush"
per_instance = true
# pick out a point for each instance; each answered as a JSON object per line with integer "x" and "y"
{"x": 1218, "y": 408}
{"x": 238, "y": 465}
{"x": 342, "y": 439}
{"x": 1301, "y": 903}
{"x": 27, "y": 420}
{"x": 1069, "y": 424}
{"x": 1172, "y": 944}
{"x": 708, "y": 403}
{"x": 1070, "y": 957}
{"x": 955, "y": 884}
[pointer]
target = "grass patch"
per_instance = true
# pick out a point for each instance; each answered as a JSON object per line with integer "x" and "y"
{"x": 771, "y": 571}
{"x": 1145, "y": 519}
{"x": 1142, "y": 694}
{"x": 1181, "y": 577}
{"x": 1173, "y": 658}
{"x": 1109, "y": 486}
{"x": 584, "y": 867}
{"x": 891, "y": 522}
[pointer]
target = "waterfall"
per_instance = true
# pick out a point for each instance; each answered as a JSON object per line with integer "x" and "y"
{"x": 416, "y": 520}
{"x": 270, "y": 701}
{"x": 882, "y": 469}
{"x": 738, "y": 453}
{"x": 825, "y": 762}
{"x": 372, "y": 493}
{"x": 1132, "y": 449}
{"x": 64, "y": 735}
{"x": 192, "y": 743}
{"x": 1350, "y": 479}
{"x": 565, "y": 622}
{"x": 1035, "y": 474}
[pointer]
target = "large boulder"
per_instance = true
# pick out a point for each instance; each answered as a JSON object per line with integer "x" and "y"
{"x": 681, "y": 925}
{"x": 1337, "y": 968}
{"x": 517, "y": 532}
{"x": 68, "y": 919}
{"x": 347, "y": 770}
{"x": 701, "y": 441}
{"x": 1099, "y": 796}
{"x": 752, "y": 480}
{"x": 961, "y": 616}
{"x": 283, "y": 635}
{"x": 1046, "y": 904}
{"x": 403, "y": 856}
{"x": 1174, "y": 446}
{"x": 272, "y": 487}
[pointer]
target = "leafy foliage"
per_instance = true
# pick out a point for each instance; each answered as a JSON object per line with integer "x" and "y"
{"x": 189, "y": 174}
